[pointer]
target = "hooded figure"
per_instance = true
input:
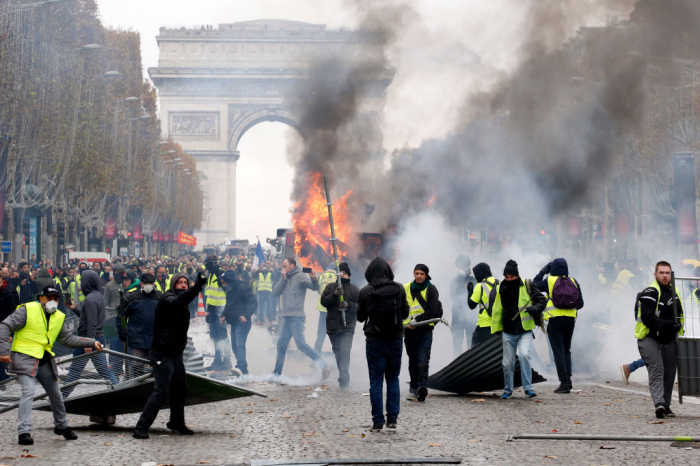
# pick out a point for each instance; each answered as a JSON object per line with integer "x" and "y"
{"x": 479, "y": 296}
{"x": 92, "y": 319}
{"x": 44, "y": 279}
{"x": 382, "y": 305}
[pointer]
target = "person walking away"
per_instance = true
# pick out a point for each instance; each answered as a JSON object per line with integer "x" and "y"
{"x": 424, "y": 304}
{"x": 9, "y": 300}
{"x": 292, "y": 288}
{"x": 656, "y": 330}
{"x": 172, "y": 321}
{"x": 564, "y": 301}
{"x": 481, "y": 296}
{"x": 36, "y": 326}
{"x": 140, "y": 314}
{"x": 266, "y": 305}
{"x": 216, "y": 301}
{"x": 27, "y": 288}
{"x": 327, "y": 277}
{"x": 383, "y": 306}
{"x": 461, "y": 288}
{"x": 92, "y": 318}
{"x": 340, "y": 334}
{"x": 515, "y": 306}
{"x": 238, "y": 312}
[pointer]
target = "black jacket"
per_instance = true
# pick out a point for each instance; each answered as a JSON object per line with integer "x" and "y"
{"x": 9, "y": 300}
{"x": 381, "y": 283}
{"x": 173, "y": 319}
{"x": 334, "y": 318}
{"x": 141, "y": 314}
{"x": 661, "y": 327}
{"x": 28, "y": 291}
{"x": 240, "y": 301}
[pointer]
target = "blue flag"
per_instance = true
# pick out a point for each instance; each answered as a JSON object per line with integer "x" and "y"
{"x": 259, "y": 256}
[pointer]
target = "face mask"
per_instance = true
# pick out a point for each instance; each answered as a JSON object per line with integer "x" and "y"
{"x": 345, "y": 281}
{"x": 148, "y": 288}
{"x": 51, "y": 306}
{"x": 179, "y": 291}
{"x": 163, "y": 276}
{"x": 190, "y": 271}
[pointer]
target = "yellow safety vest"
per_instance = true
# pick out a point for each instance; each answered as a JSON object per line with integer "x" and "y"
{"x": 264, "y": 283}
{"x": 527, "y": 321}
{"x": 326, "y": 278}
{"x": 216, "y": 296}
{"x": 72, "y": 287}
{"x": 551, "y": 310}
{"x": 167, "y": 284}
{"x": 37, "y": 336}
{"x": 414, "y": 306}
{"x": 641, "y": 330}
{"x": 621, "y": 285}
{"x": 481, "y": 297}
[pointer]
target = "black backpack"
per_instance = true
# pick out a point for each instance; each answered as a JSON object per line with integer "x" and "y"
{"x": 385, "y": 313}
{"x": 492, "y": 295}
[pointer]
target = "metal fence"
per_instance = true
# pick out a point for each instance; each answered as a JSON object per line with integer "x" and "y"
{"x": 689, "y": 344}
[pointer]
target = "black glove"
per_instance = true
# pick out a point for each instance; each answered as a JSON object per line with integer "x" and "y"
{"x": 470, "y": 288}
{"x": 201, "y": 279}
{"x": 677, "y": 327}
{"x": 337, "y": 291}
{"x": 122, "y": 334}
{"x": 547, "y": 268}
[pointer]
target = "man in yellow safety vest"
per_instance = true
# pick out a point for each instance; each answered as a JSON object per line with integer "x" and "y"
{"x": 36, "y": 326}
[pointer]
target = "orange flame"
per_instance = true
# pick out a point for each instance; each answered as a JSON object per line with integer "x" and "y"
{"x": 312, "y": 227}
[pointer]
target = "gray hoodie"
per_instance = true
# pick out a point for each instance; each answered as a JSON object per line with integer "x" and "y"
{"x": 293, "y": 291}
{"x": 92, "y": 310}
{"x": 23, "y": 363}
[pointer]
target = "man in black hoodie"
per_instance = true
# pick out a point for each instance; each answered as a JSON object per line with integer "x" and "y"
{"x": 27, "y": 288}
{"x": 172, "y": 321}
{"x": 423, "y": 302}
{"x": 92, "y": 319}
{"x": 382, "y": 306}
{"x": 238, "y": 311}
{"x": 561, "y": 320}
{"x": 340, "y": 333}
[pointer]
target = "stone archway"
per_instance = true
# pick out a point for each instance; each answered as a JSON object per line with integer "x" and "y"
{"x": 216, "y": 83}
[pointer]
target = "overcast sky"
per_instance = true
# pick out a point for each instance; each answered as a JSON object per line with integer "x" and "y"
{"x": 456, "y": 47}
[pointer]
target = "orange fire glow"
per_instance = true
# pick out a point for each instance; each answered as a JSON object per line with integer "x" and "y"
{"x": 312, "y": 227}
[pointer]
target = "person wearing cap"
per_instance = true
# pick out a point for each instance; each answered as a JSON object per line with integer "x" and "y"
{"x": 341, "y": 333}
{"x": 92, "y": 318}
{"x": 139, "y": 313}
{"x": 515, "y": 306}
{"x": 238, "y": 312}
{"x": 424, "y": 304}
{"x": 36, "y": 326}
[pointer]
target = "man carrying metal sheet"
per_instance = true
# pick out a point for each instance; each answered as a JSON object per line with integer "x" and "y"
{"x": 36, "y": 326}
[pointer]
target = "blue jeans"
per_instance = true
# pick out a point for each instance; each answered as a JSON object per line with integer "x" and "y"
{"x": 266, "y": 306}
{"x": 293, "y": 327}
{"x": 384, "y": 363}
{"x": 523, "y": 342}
{"x": 115, "y": 362}
{"x": 418, "y": 347}
{"x": 239, "y": 336}
{"x": 99, "y": 360}
{"x": 3, "y": 372}
{"x": 320, "y": 332}
{"x": 638, "y": 364}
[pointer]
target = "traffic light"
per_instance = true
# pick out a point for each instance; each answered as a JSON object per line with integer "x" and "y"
{"x": 25, "y": 227}
{"x": 61, "y": 227}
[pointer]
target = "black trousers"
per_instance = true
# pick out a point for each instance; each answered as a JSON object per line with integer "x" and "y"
{"x": 560, "y": 332}
{"x": 418, "y": 346}
{"x": 170, "y": 382}
{"x": 480, "y": 335}
{"x": 342, "y": 346}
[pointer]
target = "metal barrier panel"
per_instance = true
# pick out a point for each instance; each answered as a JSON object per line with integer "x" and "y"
{"x": 689, "y": 344}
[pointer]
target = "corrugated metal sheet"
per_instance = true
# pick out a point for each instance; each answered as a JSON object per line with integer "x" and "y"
{"x": 477, "y": 370}
{"x": 689, "y": 366}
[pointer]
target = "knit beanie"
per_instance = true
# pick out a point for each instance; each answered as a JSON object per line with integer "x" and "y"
{"x": 511, "y": 268}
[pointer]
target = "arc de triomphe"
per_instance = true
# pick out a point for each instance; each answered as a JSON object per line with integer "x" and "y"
{"x": 216, "y": 83}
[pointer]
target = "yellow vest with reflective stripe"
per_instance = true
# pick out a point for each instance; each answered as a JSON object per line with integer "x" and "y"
{"x": 641, "y": 330}
{"x": 216, "y": 296}
{"x": 167, "y": 284}
{"x": 72, "y": 287}
{"x": 551, "y": 310}
{"x": 484, "y": 288}
{"x": 264, "y": 283}
{"x": 35, "y": 337}
{"x": 527, "y": 321}
{"x": 415, "y": 308}
{"x": 323, "y": 281}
